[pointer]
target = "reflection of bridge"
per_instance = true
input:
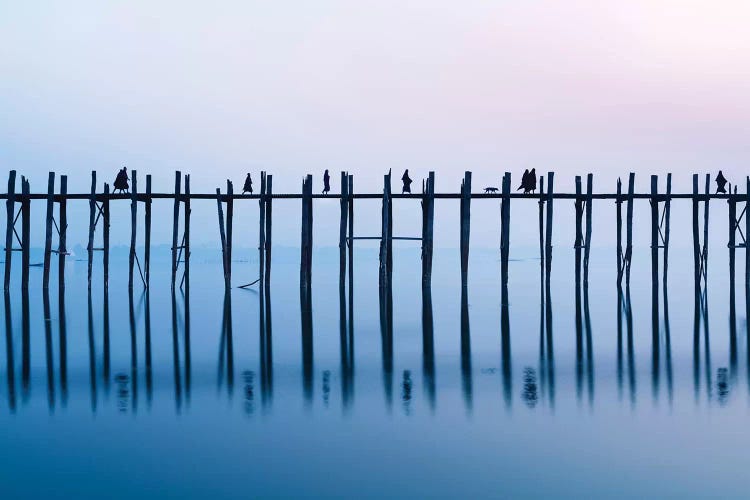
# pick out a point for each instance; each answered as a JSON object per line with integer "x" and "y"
{"x": 99, "y": 216}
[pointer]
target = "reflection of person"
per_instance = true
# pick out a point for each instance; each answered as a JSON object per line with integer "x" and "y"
{"x": 248, "y": 187}
{"x": 326, "y": 182}
{"x": 121, "y": 181}
{"x": 407, "y": 182}
{"x": 721, "y": 183}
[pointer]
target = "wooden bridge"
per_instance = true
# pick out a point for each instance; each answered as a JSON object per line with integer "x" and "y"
{"x": 99, "y": 218}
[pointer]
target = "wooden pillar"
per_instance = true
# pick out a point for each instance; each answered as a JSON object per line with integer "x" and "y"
{"x": 62, "y": 248}
{"x": 465, "y": 226}
{"x": 105, "y": 237}
{"x": 385, "y": 239}
{"x": 175, "y": 225}
{"x": 655, "y": 254}
{"x": 548, "y": 226}
{"x": 262, "y": 231}
{"x": 705, "y": 232}
{"x": 92, "y": 225}
{"x": 351, "y": 246}
{"x": 9, "y": 226}
{"x": 579, "y": 238}
{"x": 307, "y": 237}
{"x": 428, "y": 218}
{"x": 541, "y": 229}
{"x": 25, "y": 232}
{"x": 505, "y": 235}
{"x": 747, "y": 247}
{"x": 587, "y": 238}
{"x": 618, "y": 203}
{"x": 268, "y": 231}
{"x": 667, "y": 214}
{"x": 133, "y": 225}
{"x": 147, "y": 236}
{"x": 732, "y": 244}
{"x": 186, "y": 249}
{"x": 223, "y": 236}
{"x": 48, "y": 229}
{"x": 230, "y": 216}
{"x": 342, "y": 229}
{"x": 629, "y": 228}
{"x": 696, "y": 243}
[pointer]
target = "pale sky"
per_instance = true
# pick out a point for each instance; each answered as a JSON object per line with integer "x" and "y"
{"x": 221, "y": 88}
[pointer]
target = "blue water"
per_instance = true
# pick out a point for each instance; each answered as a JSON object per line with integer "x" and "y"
{"x": 228, "y": 409}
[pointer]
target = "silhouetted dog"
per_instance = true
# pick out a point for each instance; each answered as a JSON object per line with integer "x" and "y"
{"x": 488, "y": 190}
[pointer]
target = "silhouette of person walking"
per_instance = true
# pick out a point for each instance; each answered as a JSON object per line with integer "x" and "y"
{"x": 407, "y": 182}
{"x": 326, "y": 182}
{"x": 248, "y": 187}
{"x": 121, "y": 181}
{"x": 721, "y": 183}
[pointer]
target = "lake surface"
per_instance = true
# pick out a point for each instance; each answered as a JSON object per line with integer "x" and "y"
{"x": 214, "y": 395}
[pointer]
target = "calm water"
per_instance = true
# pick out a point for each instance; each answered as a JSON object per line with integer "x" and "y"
{"x": 212, "y": 396}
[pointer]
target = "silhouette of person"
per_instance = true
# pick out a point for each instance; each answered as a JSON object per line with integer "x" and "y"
{"x": 721, "y": 183}
{"x": 326, "y": 182}
{"x": 248, "y": 187}
{"x": 524, "y": 182}
{"x": 121, "y": 181}
{"x": 407, "y": 182}
{"x": 532, "y": 180}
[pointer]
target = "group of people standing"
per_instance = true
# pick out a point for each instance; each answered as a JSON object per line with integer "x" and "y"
{"x": 248, "y": 186}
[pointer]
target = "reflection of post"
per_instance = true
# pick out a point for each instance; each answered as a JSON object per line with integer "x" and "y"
{"x": 92, "y": 354}
{"x": 25, "y": 346}
{"x": 176, "y": 357}
{"x": 579, "y": 321}
{"x": 386, "y": 336}
{"x": 147, "y": 319}
{"x": 466, "y": 372}
{"x": 307, "y": 346}
{"x": 10, "y": 365}
{"x": 347, "y": 352}
{"x": 133, "y": 351}
{"x": 631, "y": 350}
{"x": 428, "y": 347}
{"x": 266, "y": 351}
{"x": 186, "y": 324}
{"x": 105, "y": 343}
{"x": 63, "y": 341}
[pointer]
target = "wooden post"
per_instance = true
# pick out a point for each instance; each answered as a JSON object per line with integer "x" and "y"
{"x": 465, "y": 226}
{"x": 629, "y": 229}
{"x": 62, "y": 247}
{"x": 732, "y": 243}
{"x": 230, "y": 213}
{"x": 175, "y": 225}
{"x": 350, "y": 218}
{"x": 705, "y": 232}
{"x": 667, "y": 213}
{"x": 655, "y": 254}
{"x": 618, "y": 204}
{"x": 587, "y": 239}
{"x": 262, "y": 230}
{"x": 186, "y": 249}
{"x": 10, "y": 222}
{"x": 105, "y": 236}
{"x": 747, "y": 247}
{"x": 505, "y": 235}
{"x": 25, "y": 232}
{"x": 696, "y": 244}
{"x": 548, "y": 228}
{"x": 428, "y": 218}
{"x": 48, "y": 228}
{"x": 385, "y": 231}
{"x": 133, "y": 225}
{"x": 541, "y": 230}
{"x": 147, "y": 237}
{"x": 92, "y": 225}
{"x": 268, "y": 232}
{"x": 307, "y": 237}
{"x": 342, "y": 230}
{"x": 223, "y": 236}
{"x": 578, "y": 241}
